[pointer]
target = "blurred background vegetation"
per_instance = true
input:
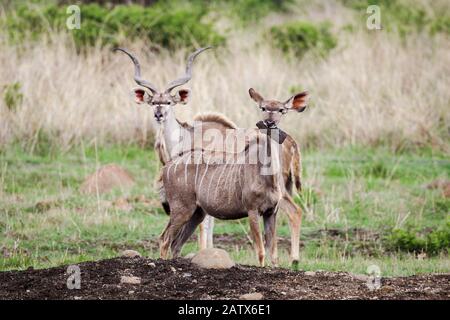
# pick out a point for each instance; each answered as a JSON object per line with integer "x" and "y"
{"x": 177, "y": 23}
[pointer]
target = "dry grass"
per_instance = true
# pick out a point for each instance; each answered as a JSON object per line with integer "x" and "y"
{"x": 373, "y": 89}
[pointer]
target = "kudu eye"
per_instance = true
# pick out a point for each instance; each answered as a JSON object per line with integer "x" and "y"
{"x": 263, "y": 109}
{"x": 282, "y": 111}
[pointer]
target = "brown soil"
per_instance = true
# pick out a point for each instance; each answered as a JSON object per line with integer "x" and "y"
{"x": 179, "y": 279}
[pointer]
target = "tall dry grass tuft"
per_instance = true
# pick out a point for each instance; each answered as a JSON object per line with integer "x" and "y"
{"x": 373, "y": 89}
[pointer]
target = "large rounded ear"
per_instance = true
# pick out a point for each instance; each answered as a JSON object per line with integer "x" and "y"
{"x": 255, "y": 96}
{"x": 298, "y": 102}
{"x": 141, "y": 96}
{"x": 182, "y": 96}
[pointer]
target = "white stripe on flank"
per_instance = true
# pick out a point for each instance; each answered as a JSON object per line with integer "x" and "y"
{"x": 204, "y": 173}
{"x": 220, "y": 177}
{"x": 210, "y": 181}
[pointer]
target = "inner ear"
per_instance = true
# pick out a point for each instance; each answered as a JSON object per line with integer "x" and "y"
{"x": 298, "y": 102}
{"x": 182, "y": 96}
{"x": 140, "y": 96}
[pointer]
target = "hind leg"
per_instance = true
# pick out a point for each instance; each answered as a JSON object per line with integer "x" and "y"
{"x": 295, "y": 220}
{"x": 209, "y": 231}
{"x": 202, "y": 237}
{"x": 205, "y": 239}
{"x": 164, "y": 242}
{"x": 186, "y": 231}
{"x": 179, "y": 217}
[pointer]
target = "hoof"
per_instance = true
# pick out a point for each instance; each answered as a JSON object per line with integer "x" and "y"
{"x": 295, "y": 265}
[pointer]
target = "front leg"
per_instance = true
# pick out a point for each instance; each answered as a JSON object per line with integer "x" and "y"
{"x": 270, "y": 237}
{"x": 253, "y": 217}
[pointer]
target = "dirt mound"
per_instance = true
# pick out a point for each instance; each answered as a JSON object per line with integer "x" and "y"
{"x": 107, "y": 178}
{"x": 179, "y": 279}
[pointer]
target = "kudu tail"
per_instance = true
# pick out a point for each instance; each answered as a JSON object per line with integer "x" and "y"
{"x": 296, "y": 167}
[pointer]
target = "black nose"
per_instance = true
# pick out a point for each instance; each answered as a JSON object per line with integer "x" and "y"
{"x": 158, "y": 116}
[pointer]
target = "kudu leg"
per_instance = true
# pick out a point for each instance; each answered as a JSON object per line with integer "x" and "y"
{"x": 180, "y": 215}
{"x": 295, "y": 220}
{"x": 164, "y": 242}
{"x": 209, "y": 231}
{"x": 270, "y": 237}
{"x": 253, "y": 217}
{"x": 202, "y": 237}
{"x": 206, "y": 233}
{"x": 186, "y": 231}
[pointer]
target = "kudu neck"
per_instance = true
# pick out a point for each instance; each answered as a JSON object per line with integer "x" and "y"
{"x": 173, "y": 133}
{"x": 271, "y": 156}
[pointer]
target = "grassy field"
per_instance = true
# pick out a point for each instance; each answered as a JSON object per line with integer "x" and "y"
{"x": 352, "y": 200}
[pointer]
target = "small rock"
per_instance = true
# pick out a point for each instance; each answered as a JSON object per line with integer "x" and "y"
{"x": 194, "y": 281}
{"x": 151, "y": 264}
{"x": 130, "y": 254}
{"x": 76, "y": 298}
{"x": 213, "y": 258}
{"x": 131, "y": 292}
{"x": 251, "y": 296}
{"x": 130, "y": 280}
{"x": 387, "y": 289}
{"x": 283, "y": 293}
{"x": 187, "y": 275}
{"x": 310, "y": 273}
{"x": 173, "y": 269}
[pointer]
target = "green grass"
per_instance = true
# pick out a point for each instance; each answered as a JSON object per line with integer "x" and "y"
{"x": 346, "y": 193}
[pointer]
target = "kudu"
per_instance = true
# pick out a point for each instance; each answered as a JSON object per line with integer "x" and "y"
{"x": 171, "y": 131}
{"x": 246, "y": 190}
{"x": 291, "y": 171}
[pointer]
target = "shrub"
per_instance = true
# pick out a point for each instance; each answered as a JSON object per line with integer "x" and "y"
{"x": 440, "y": 24}
{"x": 300, "y": 37}
{"x": 12, "y": 95}
{"x": 170, "y": 27}
{"x": 253, "y": 10}
{"x": 410, "y": 240}
{"x": 404, "y": 17}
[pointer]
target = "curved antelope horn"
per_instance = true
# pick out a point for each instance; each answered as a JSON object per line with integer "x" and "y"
{"x": 137, "y": 72}
{"x": 188, "y": 75}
